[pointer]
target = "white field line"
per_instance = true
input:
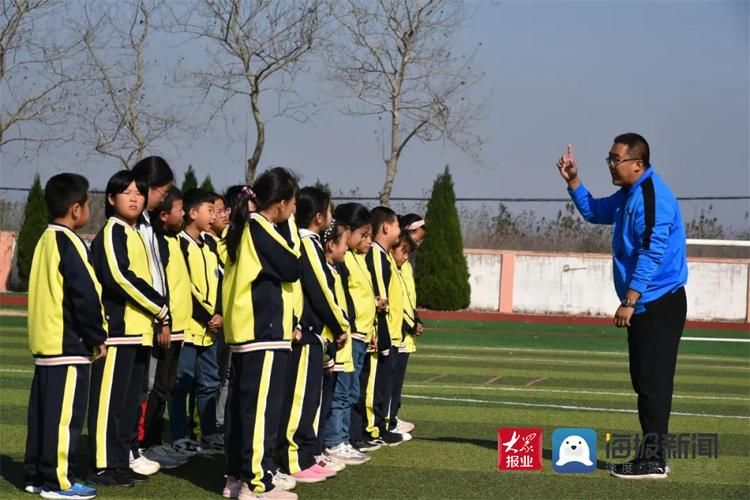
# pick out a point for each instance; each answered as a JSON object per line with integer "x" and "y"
{"x": 13, "y": 370}
{"x": 565, "y": 407}
{"x": 562, "y": 351}
{"x": 581, "y": 362}
{"x": 718, "y": 339}
{"x": 565, "y": 391}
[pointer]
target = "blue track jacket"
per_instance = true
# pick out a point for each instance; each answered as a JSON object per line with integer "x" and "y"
{"x": 648, "y": 236}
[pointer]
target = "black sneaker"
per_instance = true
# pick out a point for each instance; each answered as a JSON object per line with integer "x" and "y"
{"x": 130, "y": 473}
{"x": 392, "y": 439}
{"x": 640, "y": 469}
{"x": 371, "y": 445}
{"x": 110, "y": 477}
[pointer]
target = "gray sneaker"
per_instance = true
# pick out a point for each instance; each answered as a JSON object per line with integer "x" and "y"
{"x": 186, "y": 447}
{"x": 212, "y": 445}
{"x": 166, "y": 456}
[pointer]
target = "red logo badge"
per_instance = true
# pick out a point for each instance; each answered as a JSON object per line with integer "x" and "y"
{"x": 519, "y": 449}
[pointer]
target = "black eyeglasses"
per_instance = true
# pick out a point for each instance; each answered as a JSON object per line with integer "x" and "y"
{"x": 612, "y": 163}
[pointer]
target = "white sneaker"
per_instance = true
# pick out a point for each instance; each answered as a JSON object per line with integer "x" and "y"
{"x": 345, "y": 454}
{"x": 405, "y": 436}
{"x": 330, "y": 463}
{"x": 354, "y": 452}
{"x": 143, "y": 465}
{"x": 404, "y": 426}
{"x": 283, "y": 481}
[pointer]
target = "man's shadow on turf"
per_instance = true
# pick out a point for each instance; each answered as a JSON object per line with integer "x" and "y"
{"x": 492, "y": 445}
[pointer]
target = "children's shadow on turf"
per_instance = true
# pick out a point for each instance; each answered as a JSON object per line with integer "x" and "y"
{"x": 12, "y": 471}
{"x": 205, "y": 472}
{"x": 483, "y": 443}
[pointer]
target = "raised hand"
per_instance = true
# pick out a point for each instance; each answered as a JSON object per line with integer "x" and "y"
{"x": 568, "y": 168}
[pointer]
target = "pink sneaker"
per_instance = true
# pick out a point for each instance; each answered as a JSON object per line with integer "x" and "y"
{"x": 232, "y": 487}
{"x": 309, "y": 475}
{"x": 323, "y": 471}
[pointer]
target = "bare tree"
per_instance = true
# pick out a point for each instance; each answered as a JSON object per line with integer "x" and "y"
{"x": 256, "y": 46}
{"x": 122, "y": 119}
{"x": 396, "y": 59}
{"x": 36, "y": 68}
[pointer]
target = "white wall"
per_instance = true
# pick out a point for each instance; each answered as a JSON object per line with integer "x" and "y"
{"x": 717, "y": 291}
{"x": 563, "y": 285}
{"x": 581, "y": 284}
{"x": 484, "y": 278}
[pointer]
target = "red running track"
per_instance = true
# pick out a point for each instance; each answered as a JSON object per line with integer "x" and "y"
{"x": 21, "y": 300}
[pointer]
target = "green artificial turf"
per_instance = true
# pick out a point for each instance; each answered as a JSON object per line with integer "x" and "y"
{"x": 467, "y": 380}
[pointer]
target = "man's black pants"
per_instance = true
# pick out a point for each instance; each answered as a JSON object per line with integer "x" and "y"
{"x": 653, "y": 340}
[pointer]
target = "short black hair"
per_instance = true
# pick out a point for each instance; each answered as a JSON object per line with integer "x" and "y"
{"x": 154, "y": 171}
{"x": 310, "y": 201}
{"x": 194, "y": 198}
{"x": 63, "y": 191}
{"x": 379, "y": 216}
{"x": 217, "y": 196}
{"x": 354, "y": 215}
{"x": 166, "y": 205}
{"x": 170, "y": 197}
{"x": 405, "y": 239}
{"x": 119, "y": 183}
{"x": 637, "y": 146}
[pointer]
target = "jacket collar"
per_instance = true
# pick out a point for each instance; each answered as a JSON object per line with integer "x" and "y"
{"x": 184, "y": 234}
{"x": 646, "y": 175}
{"x": 306, "y": 233}
{"x": 377, "y": 245}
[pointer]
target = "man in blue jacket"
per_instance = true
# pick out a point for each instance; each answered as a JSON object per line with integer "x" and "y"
{"x": 650, "y": 272}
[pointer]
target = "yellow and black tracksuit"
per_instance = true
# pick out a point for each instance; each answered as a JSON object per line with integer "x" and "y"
{"x": 134, "y": 308}
{"x": 66, "y": 321}
{"x": 221, "y": 243}
{"x": 181, "y": 309}
{"x": 322, "y": 315}
{"x": 223, "y": 355}
{"x": 259, "y": 308}
{"x": 343, "y": 359}
{"x": 408, "y": 344}
{"x": 380, "y": 366}
{"x": 198, "y": 370}
{"x": 360, "y": 300}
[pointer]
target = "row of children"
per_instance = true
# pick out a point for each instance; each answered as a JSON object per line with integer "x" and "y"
{"x": 292, "y": 343}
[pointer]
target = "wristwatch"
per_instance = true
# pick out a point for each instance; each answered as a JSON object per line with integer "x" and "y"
{"x": 627, "y": 303}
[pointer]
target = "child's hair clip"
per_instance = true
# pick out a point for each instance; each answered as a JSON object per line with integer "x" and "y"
{"x": 248, "y": 192}
{"x": 330, "y": 231}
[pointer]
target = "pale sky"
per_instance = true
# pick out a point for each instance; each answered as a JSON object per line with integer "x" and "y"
{"x": 557, "y": 72}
